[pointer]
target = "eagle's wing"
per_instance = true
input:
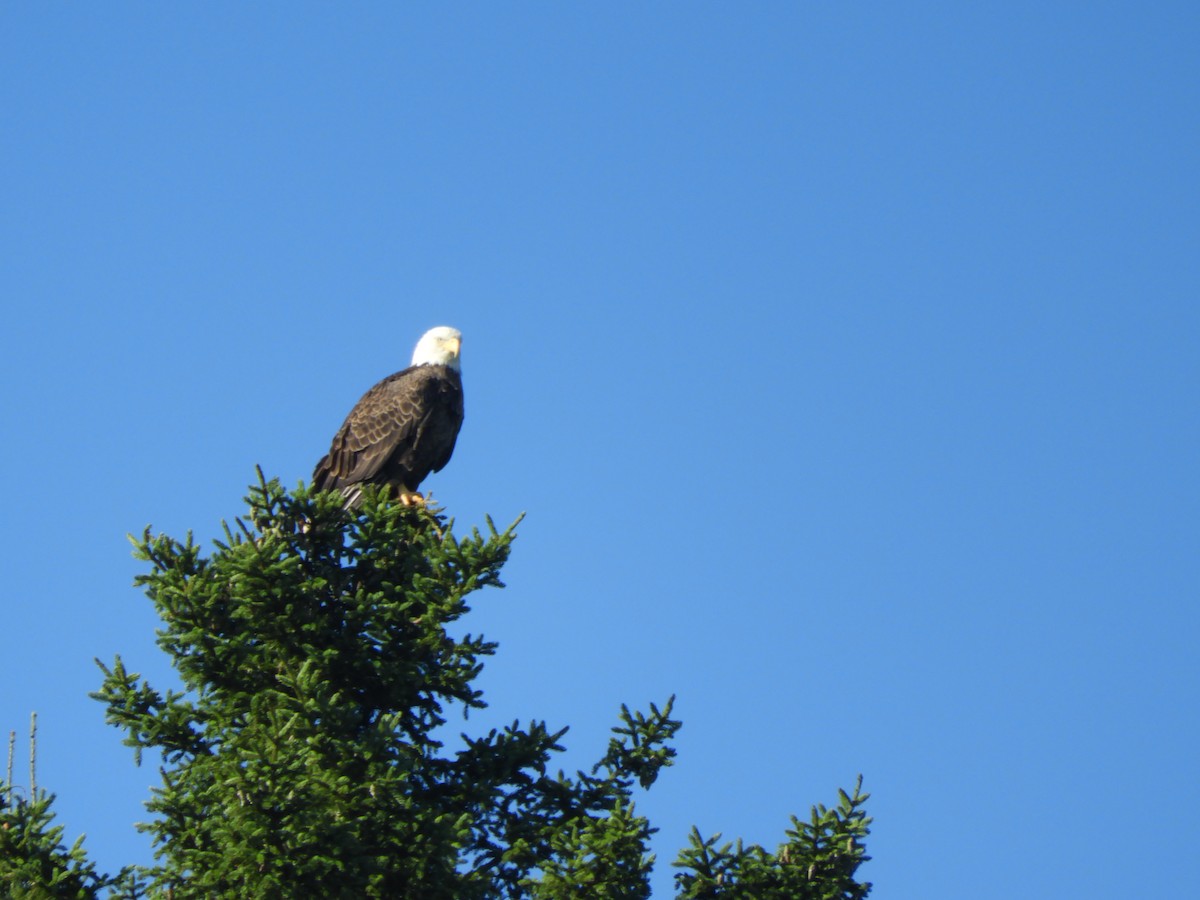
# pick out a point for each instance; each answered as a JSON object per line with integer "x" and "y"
{"x": 388, "y": 416}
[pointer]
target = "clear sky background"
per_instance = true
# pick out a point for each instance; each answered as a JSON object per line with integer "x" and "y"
{"x": 843, "y": 356}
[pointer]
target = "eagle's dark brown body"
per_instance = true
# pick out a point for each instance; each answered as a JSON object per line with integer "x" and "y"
{"x": 401, "y": 430}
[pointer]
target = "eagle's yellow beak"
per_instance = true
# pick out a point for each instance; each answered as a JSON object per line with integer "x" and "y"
{"x": 454, "y": 345}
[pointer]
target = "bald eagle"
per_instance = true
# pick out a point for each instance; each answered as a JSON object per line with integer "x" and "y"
{"x": 403, "y": 428}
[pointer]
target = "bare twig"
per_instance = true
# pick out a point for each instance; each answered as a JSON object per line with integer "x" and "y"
{"x": 32, "y": 755}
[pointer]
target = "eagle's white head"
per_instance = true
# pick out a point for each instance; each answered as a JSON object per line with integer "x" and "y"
{"x": 439, "y": 347}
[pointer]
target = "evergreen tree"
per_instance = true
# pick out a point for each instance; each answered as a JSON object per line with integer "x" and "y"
{"x": 306, "y": 755}
{"x": 35, "y": 864}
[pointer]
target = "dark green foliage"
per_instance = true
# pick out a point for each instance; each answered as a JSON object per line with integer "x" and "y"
{"x": 308, "y": 753}
{"x": 817, "y": 863}
{"x": 35, "y": 864}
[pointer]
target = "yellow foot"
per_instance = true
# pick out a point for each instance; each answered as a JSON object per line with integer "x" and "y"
{"x": 411, "y": 498}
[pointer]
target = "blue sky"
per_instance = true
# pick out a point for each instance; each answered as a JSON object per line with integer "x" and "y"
{"x": 843, "y": 357}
